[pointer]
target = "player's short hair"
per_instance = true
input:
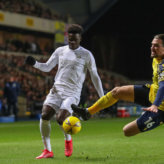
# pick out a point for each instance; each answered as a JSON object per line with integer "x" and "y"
{"x": 161, "y": 37}
{"x": 75, "y": 29}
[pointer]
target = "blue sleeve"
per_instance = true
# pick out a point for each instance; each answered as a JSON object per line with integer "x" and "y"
{"x": 160, "y": 94}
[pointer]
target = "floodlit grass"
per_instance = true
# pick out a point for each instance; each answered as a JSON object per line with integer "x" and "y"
{"x": 99, "y": 142}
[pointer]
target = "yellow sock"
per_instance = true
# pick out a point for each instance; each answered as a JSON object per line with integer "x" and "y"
{"x": 104, "y": 102}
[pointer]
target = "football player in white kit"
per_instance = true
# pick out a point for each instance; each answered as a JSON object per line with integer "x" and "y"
{"x": 73, "y": 61}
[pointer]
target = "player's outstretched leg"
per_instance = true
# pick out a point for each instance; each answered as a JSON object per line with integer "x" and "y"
{"x": 81, "y": 112}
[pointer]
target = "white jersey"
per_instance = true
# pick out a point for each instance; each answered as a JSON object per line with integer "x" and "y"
{"x": 72, "y": 69}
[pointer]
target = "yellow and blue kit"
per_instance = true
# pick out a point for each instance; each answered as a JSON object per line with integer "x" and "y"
{"x": 156, "y": 94}
{"x": 152, "y": 94}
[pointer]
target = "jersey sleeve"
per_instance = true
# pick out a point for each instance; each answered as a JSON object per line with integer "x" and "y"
{"x": 160, "y": 94}
{"x": 91, "y": 65}
{"x": 50, "y": 64}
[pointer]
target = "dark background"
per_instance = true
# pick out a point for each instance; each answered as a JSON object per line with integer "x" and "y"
{"x": 121, "y": 39}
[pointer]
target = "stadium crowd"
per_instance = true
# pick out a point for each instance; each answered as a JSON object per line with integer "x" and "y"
{"x": 26, "y": 43}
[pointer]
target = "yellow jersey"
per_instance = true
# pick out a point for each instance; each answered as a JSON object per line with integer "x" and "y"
{"x": 158, "y": 76}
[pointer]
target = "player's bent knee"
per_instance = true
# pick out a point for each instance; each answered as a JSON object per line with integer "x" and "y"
{"x": 115, "y": 91}
{"x": 47, "y": 112}
{"x": 131, "y": 129}
{"x": 45, "y": 116}
{"x": 61, "y": 116}
{"x": 126, "y": 131}
{"x": 60, "y": 119}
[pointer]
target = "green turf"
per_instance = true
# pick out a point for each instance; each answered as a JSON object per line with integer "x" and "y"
{"x": 99, "y": 142}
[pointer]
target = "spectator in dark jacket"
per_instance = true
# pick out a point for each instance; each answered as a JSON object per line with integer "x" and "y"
{"x": 11, "y": 92}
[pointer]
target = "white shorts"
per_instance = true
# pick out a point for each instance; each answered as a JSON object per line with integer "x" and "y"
{"x": 57, "y": 100}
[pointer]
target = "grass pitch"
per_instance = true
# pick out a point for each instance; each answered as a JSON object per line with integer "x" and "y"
{"x": 99, "y": 142}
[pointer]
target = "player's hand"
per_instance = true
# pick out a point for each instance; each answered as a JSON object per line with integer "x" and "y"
{"x": 30, "y": 60}
{"x": 152, "y": 108}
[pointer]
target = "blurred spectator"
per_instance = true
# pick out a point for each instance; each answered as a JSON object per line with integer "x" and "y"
{"x": 14, "y": 45}
{"x": 11, "y": 92}
{"x": 3, "y": 107}
{"x": 14, "y": 41}
{"x": 32, "y": 47}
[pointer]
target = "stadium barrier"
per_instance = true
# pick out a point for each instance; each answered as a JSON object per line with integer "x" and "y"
{"x": 122, "y": 112}
{"x": 127, "y": 111}
{"x": 4, "y": 119}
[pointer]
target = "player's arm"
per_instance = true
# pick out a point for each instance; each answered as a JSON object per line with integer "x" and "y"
{"x": 95, "y": 77}
{"x": 45, "y": 67}
{"x": 158, "y": 100}
{"x": 97, "y": 82}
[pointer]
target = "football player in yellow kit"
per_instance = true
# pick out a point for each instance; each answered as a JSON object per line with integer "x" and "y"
{"x": 149, "y": 96}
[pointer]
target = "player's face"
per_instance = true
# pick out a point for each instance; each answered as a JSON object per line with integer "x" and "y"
{"x": 74, "y": 40}
{"x": 157, "y": 49}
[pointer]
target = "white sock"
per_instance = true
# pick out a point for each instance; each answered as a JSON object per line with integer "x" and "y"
{"x": 67, "y": 136}
{"x": 45, "y": 129}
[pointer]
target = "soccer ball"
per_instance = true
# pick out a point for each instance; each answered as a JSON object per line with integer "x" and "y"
{"x": 72, "y": 125}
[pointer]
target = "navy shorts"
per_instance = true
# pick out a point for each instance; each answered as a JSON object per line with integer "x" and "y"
{"x": 149, "y": 120}
{"x": 141, "y": 95}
